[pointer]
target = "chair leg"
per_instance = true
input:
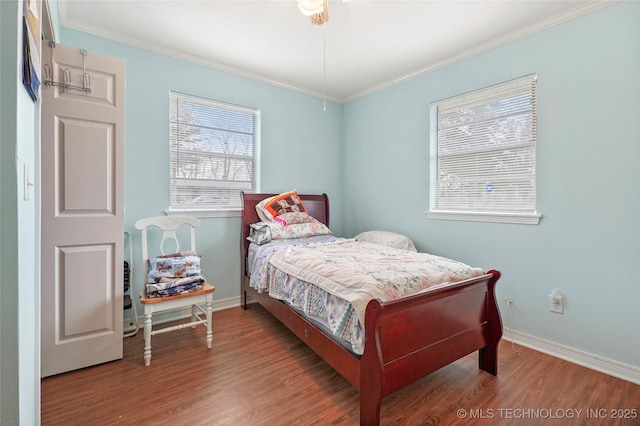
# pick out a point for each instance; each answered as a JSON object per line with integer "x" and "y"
{"x": 209, "y": 327}
{"x": 194, "y": 314}
{"x": 147, "y": 339}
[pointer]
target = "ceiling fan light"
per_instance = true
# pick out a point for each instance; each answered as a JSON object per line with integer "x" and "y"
{"x": 310, "y": 7}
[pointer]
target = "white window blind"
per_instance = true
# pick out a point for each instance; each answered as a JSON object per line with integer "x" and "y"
{"x": 483, "y": 151}
{"x": 212, "y": 149}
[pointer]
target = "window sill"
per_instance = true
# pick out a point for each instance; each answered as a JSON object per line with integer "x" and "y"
{"x": 203, "y": 213}
{"x": 526, "y": 219}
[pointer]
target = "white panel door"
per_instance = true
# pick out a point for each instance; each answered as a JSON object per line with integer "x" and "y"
{"x": 82, "y": 210}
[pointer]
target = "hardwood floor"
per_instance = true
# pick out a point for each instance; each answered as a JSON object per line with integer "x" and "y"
{"x": 259, "y": 373}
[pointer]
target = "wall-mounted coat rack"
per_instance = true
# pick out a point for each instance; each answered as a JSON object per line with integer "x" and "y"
{"x": 66, "y": 84}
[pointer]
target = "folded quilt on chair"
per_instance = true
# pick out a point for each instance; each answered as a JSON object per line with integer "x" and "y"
{"x": 171, "y": 287}
{"x": 173, "y": 274}
{"x": 175, "y": 265}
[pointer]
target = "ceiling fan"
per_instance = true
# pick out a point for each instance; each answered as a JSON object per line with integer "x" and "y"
{"x": 319, "y": 12}
{"x": 317, "y": 9}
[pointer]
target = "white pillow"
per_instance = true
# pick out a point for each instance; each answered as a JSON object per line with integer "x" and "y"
{"x": 386, "y": 238}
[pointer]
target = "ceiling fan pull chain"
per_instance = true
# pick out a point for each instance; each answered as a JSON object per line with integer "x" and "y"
{"x": 324, "y": 69}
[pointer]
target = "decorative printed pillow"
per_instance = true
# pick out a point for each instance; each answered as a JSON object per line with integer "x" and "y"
{"x": 270, "y": 208}
{"x": 292, "y": 218}
{"x": 264, "y": 232}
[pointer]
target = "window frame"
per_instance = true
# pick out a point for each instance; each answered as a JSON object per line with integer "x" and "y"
{"x": 209, "y": 211}
{"x": 466, "y": 99}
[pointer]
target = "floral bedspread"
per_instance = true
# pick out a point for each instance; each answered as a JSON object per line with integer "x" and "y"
{"x": 358, "y": 271}
{"x": 258, "y": 265}
{"x": 334, "y": 281}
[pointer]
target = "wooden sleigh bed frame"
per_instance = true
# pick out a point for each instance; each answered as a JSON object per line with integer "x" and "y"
{"x": 459, "y": 319}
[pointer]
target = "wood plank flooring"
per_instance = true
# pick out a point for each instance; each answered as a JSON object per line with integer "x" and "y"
{"x": 259, "y": 373}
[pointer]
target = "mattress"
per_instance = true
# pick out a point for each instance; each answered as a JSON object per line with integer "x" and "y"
{"x": 332, "y": 279}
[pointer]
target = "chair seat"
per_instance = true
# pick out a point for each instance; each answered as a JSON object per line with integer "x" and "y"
{"x": 206, "y": 288}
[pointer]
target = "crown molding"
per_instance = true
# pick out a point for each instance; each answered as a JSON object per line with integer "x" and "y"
{"x": 507, "y": 38}
{"x": 163, "y": 50}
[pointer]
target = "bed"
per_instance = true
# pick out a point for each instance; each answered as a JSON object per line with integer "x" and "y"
{"x": 463, "y": 318}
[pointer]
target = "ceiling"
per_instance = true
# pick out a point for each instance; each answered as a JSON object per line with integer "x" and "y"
{"x": 365, "y": 46}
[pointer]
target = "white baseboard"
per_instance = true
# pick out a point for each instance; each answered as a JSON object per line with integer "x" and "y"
{"x": 594, "y": 362}
{"x": 576, "y": 356}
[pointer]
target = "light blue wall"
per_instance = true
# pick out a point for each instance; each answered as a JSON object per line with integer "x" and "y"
{"x": 300, "y": 145}
{"x": 54, "y": 15}
{"x": 9, "y": 378}
{"x": 588, "y": 242}
{"x": 19, "y": 265}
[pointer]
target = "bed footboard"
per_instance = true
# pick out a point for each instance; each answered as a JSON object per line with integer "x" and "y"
{"x": 458, "y": 320}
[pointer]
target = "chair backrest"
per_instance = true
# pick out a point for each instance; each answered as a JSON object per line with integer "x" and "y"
{"x": 168, "y": 226}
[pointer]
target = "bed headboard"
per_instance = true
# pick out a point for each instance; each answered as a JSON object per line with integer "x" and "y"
{"x": 317, "y": 205}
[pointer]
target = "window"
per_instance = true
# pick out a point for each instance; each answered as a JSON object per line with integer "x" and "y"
{"x": 213, "y": 153}
{"x": 483, "y": 154}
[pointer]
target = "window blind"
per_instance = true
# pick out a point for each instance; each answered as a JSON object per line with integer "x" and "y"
{"x": 484, "y": 155}
{"x": 212, "y": 150}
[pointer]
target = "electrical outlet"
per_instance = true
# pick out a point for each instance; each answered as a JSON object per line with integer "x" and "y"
{"x": 556, "y": 302}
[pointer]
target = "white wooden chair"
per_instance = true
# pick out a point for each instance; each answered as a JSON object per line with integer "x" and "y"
{"x": 168, "y": 225}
